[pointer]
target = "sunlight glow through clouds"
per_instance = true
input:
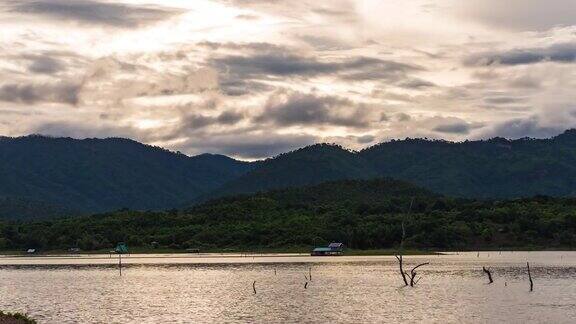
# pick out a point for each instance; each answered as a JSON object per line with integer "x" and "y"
{"x": 206, "y": 75}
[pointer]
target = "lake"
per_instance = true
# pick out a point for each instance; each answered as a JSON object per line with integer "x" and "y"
{"x": 183, "y": 288}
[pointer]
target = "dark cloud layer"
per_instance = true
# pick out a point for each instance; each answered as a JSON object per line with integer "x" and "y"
{"x": 524, "y": 127}
{"x": 37, "y": 93}
{"x": 309, "y": 109}
{"x": 93, "y": 12}
{"x": 199, "y": 121}
{"x": 44, "y": 64}
{"x": 562, "y": 53}
{"x": 453, "y": 128}
{"x": 240, "y": 73}
{"x": 279, "y": 64}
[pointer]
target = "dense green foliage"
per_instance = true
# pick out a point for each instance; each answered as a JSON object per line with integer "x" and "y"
{"x": 57, "y": 175}
{"x": 15, "y": 318}
{"x": 495, "y": 168}
{"x": 106, "y": 174}
{"x": 364, "y": 214}
{"x": 20, "y": 208}
{"x": 482, "y": 169}
{"x": 303, "y": 167}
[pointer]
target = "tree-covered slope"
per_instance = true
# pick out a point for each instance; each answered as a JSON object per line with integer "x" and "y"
{"x": 306, "y": 166}
{"x": 363, "y": 214}
{"x": 495, "y": 168}
{"x": 24, "y": 209}
{"x": 106, "y": 174}
{"x": 482, "y": 169}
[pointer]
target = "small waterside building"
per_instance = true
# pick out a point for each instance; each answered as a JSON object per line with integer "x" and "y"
{"x": 332, "y": 249}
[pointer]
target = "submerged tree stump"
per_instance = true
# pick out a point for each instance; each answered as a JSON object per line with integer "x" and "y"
{"x": 530, "y": 277}
{"x": 402, "y": 273}
{"x": 487, "y": 272}
{"x": 413, "y": 274}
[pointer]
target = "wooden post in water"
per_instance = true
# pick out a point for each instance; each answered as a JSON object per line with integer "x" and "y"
{"x": 120, "y": 263}
{"x": 310, "y": 273}
{"x": 530, "y": 277}
{"x": 254, "y": 287}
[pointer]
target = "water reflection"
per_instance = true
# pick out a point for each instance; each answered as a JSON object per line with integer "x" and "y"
{"x": 177, "y": 289}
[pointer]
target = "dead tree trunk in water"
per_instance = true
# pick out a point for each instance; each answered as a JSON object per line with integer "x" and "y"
{"x": 530, "y": 277}
{"x": 488, "y": 274}
{"x": 254, "y": 287}
{"x": 399, "y": 256}
{"x": 413, "y": 274}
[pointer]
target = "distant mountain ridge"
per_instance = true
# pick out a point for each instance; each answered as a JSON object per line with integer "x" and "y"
{"x": 94, "y": 175}
{"x": 495, "y": 168}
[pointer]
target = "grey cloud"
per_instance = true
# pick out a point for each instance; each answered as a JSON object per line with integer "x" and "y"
{"x": 561, "y": 53}
{"x": 365, "y": 139}
{"x": 44, "y": 64}
{"x": 309, "y": 109}
{"x": 93, "y": 12}
{"x": 199, "y": 121}
{"x": 416, "y": 84}
{"x": 503, "y": 100}
{"x": 403, "y": 117}
{"x": 279, "y": 64}
{"x": 62, "y": 92}
{"x": 253, "y": 46}
{"x": 239, "y": 74}
{"x": 240, "y": 87}
{"x": 229, "y": 117}
{"x": 527, "y": 127}
{"x": 80, "y": 130}
{"x": 453, "y": 128}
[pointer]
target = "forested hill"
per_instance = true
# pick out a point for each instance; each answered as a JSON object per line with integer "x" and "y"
{"x": 106, "y": 174}
{"x": 495, "y": 168}
{"x": 303, "y": 167}
{"x": 364, "y": 214}
{"x": 95, "y": 175}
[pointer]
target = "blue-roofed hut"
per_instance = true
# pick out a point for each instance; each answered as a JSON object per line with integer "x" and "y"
{"x": 331, "y": 249}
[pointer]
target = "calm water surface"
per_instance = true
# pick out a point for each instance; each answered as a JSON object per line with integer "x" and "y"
{"x": 216, "y": 288}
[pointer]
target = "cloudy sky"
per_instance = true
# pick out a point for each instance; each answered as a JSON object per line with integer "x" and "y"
{"x": 253, "y": 78}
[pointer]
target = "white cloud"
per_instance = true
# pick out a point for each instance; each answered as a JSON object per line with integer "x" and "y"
{"x": 253, "y": 78}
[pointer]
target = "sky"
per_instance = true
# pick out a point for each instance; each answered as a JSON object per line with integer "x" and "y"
{"x": 254, "y": 78}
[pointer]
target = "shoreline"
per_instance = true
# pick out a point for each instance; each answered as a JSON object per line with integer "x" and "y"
{"x": 277, "y": 252}
{"x": 224, "y": 253}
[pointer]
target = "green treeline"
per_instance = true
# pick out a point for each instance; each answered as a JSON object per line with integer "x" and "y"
{"x": 364, "y": 214}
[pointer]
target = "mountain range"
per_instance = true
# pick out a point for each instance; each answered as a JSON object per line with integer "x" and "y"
{"x": 44, "y": 177}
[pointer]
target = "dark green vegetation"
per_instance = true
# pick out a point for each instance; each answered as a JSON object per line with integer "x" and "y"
{"x": 495, "y": 168}
{"x": 364, "y": 214}
{"x": 103, "y": 174}
{"x": 15, "y": 318}
{"x": 61, "y": 175}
